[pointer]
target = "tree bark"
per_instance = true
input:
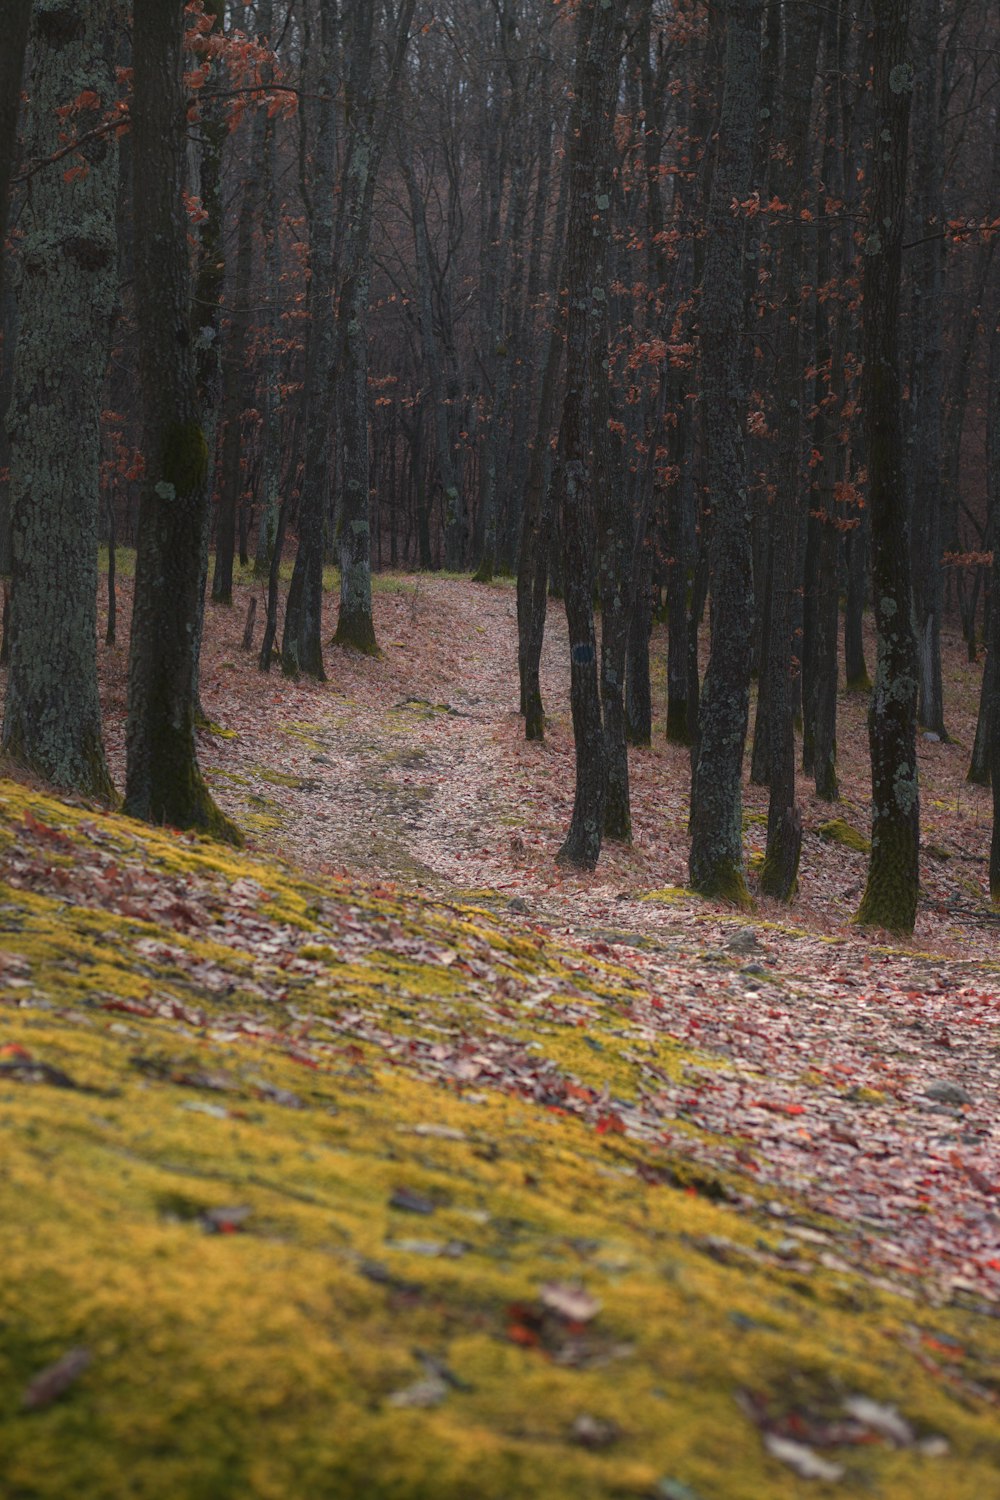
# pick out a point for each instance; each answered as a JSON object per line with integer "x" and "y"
{"x": 586, "y": 368}
{"x": 231, "y": 460}
{"x": 355, "y": 625}
{"x": 926, "y": 396}
{"x": 890, "y": 896}
{"x": 302, "y": 638}
{"x": 784, "y": 822}
{"x": 68, "y": 294}
{"x": 716, "y": 859}
{"x": 17, "y": 15}
{"x": 163, "y": 781}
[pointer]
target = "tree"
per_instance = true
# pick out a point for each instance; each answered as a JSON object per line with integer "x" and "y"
{"x": 68, "y": 291}
{"x": 16, "y": 20}
{"x": 890, "y": 895}
{"x": 163, "y": 780}
{"x": 368, "y": 125}
{"x": 585, "y": 404}
{"x": 788, "y": 181}
{"x": 926, "y": 392}
{"x": 716, "y": 859}
{"x": 302, "y": 640}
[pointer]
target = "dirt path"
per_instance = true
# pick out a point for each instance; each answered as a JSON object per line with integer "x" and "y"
{"x": 858, "y": 1073}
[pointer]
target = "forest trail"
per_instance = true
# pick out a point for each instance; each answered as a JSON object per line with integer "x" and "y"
{"x": 504, "y": 1130}
{"x": 414, "y": 767}
{"x": 878, "y": 1059}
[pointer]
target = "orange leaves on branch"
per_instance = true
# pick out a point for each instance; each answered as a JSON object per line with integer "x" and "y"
{"x": 193, "y": 205}
{"x": 88, "y": 99}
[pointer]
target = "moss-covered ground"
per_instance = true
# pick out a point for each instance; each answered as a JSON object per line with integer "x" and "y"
{"x": 330, "y": 1186}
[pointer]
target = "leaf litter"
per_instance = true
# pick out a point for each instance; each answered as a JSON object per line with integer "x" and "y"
{"x": 804, "y": 1074}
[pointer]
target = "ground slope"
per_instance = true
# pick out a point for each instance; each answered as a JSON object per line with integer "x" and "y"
{"x": 315, "y": 1188}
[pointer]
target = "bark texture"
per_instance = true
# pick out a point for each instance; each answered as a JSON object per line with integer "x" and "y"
{"x": 163, "y": 782}
{"x": 716, "y": 859}
{"x": 890, "y": 896}
{"x": 586, "y": 367}
{"x": 68, "y": 289}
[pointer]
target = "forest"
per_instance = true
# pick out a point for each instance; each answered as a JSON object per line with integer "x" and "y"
{"x": 500, "y": 761}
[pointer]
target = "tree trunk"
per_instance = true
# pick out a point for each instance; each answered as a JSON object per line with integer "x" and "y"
{"x": 355, "y": 625}
{"x": 448, "y": 478}
{"x": 17, "y": 15}
{"x": 784, "y": 823}
{"x": 926, "y": 382}
{"x": 890, "y": 896}
{"x": 716, "y": 859}
{"x": 164, "y": 783}
{"x": 68, "y": 293}
{"x": 585, "y": 404}
{"x": 302, "y": 640}
{"x": 231, "y": 464}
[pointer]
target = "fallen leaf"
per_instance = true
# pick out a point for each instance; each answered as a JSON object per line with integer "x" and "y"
{"x": 800, "y": 1458}
{"x": 49, "y": 1384}
{"x": 570, "y": 1302}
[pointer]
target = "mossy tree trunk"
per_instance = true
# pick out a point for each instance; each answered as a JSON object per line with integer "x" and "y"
{"x": 589, "y": 228}
{"x": 52, "y": 721}
{"x": 890, "y": 896}
{"x": 716, "y": 858}
{"x": 163, "y": 781}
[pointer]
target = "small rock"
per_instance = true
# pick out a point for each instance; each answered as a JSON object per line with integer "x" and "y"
{"x": 594, "y": 1432}
{"x": 885, "y": 1420}
{"x": 411, "y": 1202}
{"x": 934, "y": 1447}
{"x": 744, "y": 941}
{"x": 947, "y": 1093}
{"x": 802, "y": 1459}
{"x": 516, "y": 904}
{"x": 931, "y": 738}
{"x": 425, "y": 1393}
{"x": 52, "y": 1382}
{"x": 573, "y": 1303}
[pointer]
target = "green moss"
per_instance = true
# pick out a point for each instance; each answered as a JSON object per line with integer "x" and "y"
{"x": 726, "y": 882}
{"x": 245, "y": 1045}
{"x": 280, "y": 778}
{"x": 301, "y": 729}
{"x": 837, "y": 831}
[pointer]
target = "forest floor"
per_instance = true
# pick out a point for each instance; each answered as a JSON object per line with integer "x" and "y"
{"x": 434, "y": 1170}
